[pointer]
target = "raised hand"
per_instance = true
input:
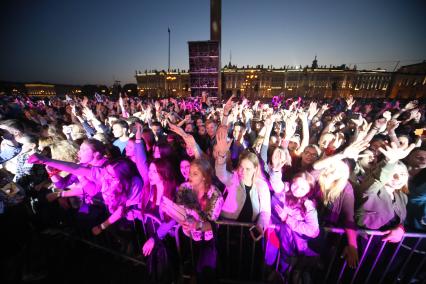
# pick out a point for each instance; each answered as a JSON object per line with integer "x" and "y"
{"x": 222, "y": 143}
{"x": 338, "y": 117}
{"x": 248, "y": 114}
{"x": 414, "y": 114}
{"x": 411, "y": 105}
{"x": 380, "y": 124}
{"x": 387, "y": 115}
{"x": 303, "y": 116}
{"x": 363, "y": 130}
{"x": 88, "y": 113}
{"x": 293, "y": 106}
{"x": 392, "y": 125}
{"x": 353, "y": 150}
{"x": 325, "y": 107}
{"x": 189, "y": 141}
{"x": 228, "y": 105}
{"x": 394, "y": 152}
{"x": 279, "y": 159}
{"x": 313, "y": 110}
{"x": 290, "y": 127}
{"x": 121, "y": 101}
{"x": 84, "y": 101}
{"x": 176, "y": 129}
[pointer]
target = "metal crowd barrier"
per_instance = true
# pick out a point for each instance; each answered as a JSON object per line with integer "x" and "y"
{"x": 241, "y": 259}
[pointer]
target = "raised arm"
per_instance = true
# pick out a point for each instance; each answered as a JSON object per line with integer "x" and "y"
{"x": 351, "y": 152}
{"x": 303, "y": 116}
{"x": 222, "y": 148}
{"x": 189, "y": 140}
{"x": 69, "y": 167}
{"x": 141, "y": 158}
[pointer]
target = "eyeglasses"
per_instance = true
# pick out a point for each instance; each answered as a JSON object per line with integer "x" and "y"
{"x": 310, "y": 154}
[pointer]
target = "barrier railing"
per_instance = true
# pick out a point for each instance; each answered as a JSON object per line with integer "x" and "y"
{"x": 241, "y": 258}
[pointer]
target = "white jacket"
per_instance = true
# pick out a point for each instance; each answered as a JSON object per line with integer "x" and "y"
{"x": 259, "y": 195}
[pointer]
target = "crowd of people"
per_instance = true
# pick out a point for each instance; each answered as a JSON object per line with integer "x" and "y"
{"x": 290, "y": 167}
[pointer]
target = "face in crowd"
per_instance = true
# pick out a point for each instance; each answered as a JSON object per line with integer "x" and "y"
{"x": 85, "y": 154}
{"x": 299, "y": 187}
{"x": 156, "y": 130}
{"x": 153, "y": 176}
{"x": 238, "y": 130}
{"x": 118, "y": 131}
{"x": 310, "y": 155}
{"x": 367, "y": 160}
{"x": 294, "y": 143}
{"x": 196, "y": 178}
{"x": 246, "y": 171}
{"x": 399, "y": 179}
{"x": 211, "y": 129}
{"x": 417, "y": 159}
{"x": 130, "y": 150}
{"x": 184, "y": 169}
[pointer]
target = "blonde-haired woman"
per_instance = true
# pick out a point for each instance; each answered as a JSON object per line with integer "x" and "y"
{"x": 336, "y": 196}
{"x": 384, "y": 195}
{"x": 248, "y": 197}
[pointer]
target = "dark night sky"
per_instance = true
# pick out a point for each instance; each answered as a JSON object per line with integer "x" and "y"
{"x": 92, "y": 41}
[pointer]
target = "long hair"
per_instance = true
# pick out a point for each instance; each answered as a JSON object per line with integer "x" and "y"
{"x": 96, "y": 146}
{"x": 125, "y": 171}
{"x": 295, "y": 202}
{"x": 271, "y": 151}
{"x": 206, "y": 170}
{"x": 167, "y": 175}
{"x": 331, "y": 189}
{"x": 64, "y": 150}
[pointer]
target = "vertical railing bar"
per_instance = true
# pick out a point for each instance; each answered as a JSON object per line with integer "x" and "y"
{"x": 333, "y": 258}
{"x": 241, "y": 251}
{"x": 418, "y": 268}
{"x": 375, "y": 262}
{"x": 227, "y": 249}
{"x": 177, "y": 239}
{"x": 408, "y": 259}
{"x": 362, "y": 258}
{"x": 390, "y": 262}
{"x": 341, "y": 272}
{"x": 278, "y": 261}
{"x": 192, "y": 253}
{"x": 253, "y": 250}
{"x": 264, "y": 247}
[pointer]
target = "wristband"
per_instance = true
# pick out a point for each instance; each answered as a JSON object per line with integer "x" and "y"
{"x": 102, "y": 226}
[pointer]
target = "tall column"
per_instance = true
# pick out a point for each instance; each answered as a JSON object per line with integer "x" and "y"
{"x": 216, "y": 35}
